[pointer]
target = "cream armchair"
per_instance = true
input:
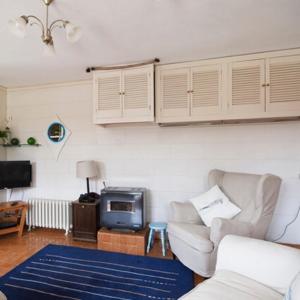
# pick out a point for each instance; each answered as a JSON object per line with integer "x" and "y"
{"x": 195, "y": 245}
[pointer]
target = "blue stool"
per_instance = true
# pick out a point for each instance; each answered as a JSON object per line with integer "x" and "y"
{"x": 162, "y": 228}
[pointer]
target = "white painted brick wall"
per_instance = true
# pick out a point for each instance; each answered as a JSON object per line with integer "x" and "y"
{"x": 172, "y": 162}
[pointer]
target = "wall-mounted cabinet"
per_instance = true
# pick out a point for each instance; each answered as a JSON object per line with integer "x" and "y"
{"x": 246, "y": 92}
{"x": 188, "y": 93}
{"x": 269, "y": 87}
{"x": 283, "y": 84}
{"x": 257, "y": 86}
{"x": 124, "y": 96}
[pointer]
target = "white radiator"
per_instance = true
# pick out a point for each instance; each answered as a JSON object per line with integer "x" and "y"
{"x": 49, "y": 213}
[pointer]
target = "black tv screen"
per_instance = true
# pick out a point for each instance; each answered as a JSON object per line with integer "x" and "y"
{"x": 15, "y": 174}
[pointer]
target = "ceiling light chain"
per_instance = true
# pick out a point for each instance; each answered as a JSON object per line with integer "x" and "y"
{"x": 18, "y": 27}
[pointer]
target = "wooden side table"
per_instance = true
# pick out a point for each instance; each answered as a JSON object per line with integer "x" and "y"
{"x": 19, "y": 210}
{"x": 86, "y": 220}
{"x": 124, "y": 242}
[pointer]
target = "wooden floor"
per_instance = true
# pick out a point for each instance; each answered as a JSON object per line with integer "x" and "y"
{"x": 15, "y": 250}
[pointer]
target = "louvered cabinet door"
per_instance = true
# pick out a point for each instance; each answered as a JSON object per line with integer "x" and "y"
{"x": 246, "y": 88}
{"x": 283, "y": 85}
{"x": 206, "y": 91}
{"x": 174, "y": 96}
{"x": 107, "y": 97}
{"x": 138, "y": 94}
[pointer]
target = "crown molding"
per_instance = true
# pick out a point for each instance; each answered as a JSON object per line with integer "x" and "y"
{"x": 50, "y": 85}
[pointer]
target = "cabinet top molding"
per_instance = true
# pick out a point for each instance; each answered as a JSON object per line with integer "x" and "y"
{"x": 232, "y": 58}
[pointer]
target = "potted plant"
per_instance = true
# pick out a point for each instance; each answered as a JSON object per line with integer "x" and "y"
{"x": 5, "y": 135}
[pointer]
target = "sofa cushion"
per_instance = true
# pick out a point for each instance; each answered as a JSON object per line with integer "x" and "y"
{"x": 293, "y": 292}
{"x": 196, "y": 236}
{"x": 227, "y": 285}
{"x": 2, "y": 296}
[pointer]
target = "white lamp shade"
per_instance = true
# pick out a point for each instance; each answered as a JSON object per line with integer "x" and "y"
{"x": 73, "y": 32}
{"x": 18, "y": 26}
{"x": 86, "y": 169}
{"x": 49, "y": 50}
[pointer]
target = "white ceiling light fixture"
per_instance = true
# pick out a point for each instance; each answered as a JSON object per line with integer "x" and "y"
{"x": 18, "y": 27}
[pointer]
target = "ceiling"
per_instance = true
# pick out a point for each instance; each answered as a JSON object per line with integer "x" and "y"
{"x": 124, "y": 31}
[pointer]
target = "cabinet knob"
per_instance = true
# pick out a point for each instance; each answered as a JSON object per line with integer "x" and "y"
{"x": 82, "y": 206}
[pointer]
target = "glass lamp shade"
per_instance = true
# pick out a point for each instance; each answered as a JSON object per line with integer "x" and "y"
{"x": 73, "y": 33}
{"x": 18, "y": 26}
{"x": 49, "y": 50}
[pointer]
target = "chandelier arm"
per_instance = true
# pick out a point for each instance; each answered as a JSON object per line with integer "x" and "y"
{"x": 39, "y": 22}
{"x": 60, "y": 23}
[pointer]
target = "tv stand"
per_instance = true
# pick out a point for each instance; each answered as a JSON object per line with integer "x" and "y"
{"x": 16, "y": 222}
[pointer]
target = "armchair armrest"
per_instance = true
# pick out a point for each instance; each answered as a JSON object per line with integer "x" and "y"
{"x": 184, "y": 213}
{"x": 221, "y": 227}
{"x": 271, "y": 264}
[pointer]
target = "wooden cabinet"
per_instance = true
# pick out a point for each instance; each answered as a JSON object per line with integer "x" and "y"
{"x": 267, "y": 87}
{"x": 124, "y": 96}
{"x": 189, "y": 93}
{"x": 174, "y": 94}
{"x": 257, "y": 86}
{"x": 246, "y": 87}
{"x": 206, "y": 90}
{"x": 107, "y": 96}
{"x": 283, "y": 84}
{"x": 86, "y": 220}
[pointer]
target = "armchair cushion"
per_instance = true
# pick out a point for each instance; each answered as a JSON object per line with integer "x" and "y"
{"x": 214, "y": 204}
{"x": 222, "y": 227}
{"x": 196, "y": 236}
{"x": 184, "y": 212}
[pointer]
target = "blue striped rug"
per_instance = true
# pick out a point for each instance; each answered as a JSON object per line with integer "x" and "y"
{"x": 61, "y": 272}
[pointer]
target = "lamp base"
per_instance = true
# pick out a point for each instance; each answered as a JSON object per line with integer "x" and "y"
{"x": 48, "y": 2}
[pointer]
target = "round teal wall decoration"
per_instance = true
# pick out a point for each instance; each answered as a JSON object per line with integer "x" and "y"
{"x": 56, "y": 132}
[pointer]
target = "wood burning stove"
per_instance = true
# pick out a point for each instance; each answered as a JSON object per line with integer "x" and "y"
{"x": 123, "y": 208}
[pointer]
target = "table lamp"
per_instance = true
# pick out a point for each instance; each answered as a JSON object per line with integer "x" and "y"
{"x": 86, "y": 169}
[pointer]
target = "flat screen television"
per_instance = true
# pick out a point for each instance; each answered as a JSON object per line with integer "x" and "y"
{"x": 15, "y": 174}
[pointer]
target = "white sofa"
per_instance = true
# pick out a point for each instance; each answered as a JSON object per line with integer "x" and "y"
{"x": 250, "y": 269}
{"x": 2, "y": 296}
